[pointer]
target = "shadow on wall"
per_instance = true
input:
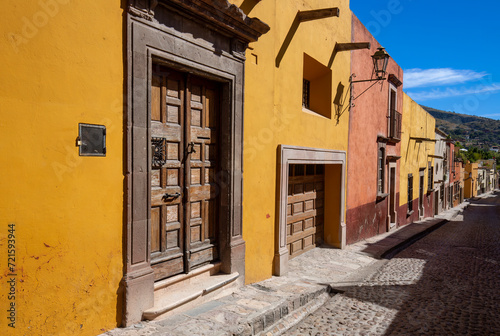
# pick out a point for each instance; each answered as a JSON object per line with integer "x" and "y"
{"x": 339, "y": 101}
{"x": 248, "y": 5}
{"x": 366, "y": 221}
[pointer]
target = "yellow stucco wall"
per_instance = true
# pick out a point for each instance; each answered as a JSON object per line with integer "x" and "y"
{"x": 470, "y": 183}
{"x": 274, "y": 115}
{"x": 417, "y": 123}
{"x": 61, "y": 64}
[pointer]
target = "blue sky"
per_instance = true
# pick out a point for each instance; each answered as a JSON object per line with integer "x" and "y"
{"x": 449, "y": 50}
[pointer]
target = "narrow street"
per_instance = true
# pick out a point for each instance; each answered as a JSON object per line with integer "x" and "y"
{"x": 447, "y": 283}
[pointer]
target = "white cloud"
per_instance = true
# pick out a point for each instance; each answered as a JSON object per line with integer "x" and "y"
{"x": 440, "y": 76}
{"x": 454, "y": 92}
{"x": 491, "y": 115}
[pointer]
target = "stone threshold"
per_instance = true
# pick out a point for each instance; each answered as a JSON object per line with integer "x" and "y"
{"x": 186, "y": 290}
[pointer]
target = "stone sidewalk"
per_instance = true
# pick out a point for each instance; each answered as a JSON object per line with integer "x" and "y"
{"x": 275, "y": 305}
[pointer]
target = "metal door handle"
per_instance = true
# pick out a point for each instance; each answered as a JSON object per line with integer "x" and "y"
{"x": 190, "y": 148}
{"x": 173, "y": 196}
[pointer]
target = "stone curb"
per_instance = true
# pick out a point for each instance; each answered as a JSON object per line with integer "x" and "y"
{"x": 391, "y": 252}
{"x": 276, "y": 320}
{"x": 291, "y": 320}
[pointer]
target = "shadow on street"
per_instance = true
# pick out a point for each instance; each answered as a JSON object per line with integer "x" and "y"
{"x": 444, "y": 284}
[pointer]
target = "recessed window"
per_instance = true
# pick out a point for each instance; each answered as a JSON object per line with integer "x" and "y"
{"x": 381, "y": 172}
{"x": 430, "y": 177}
{"x": 306, "y": 93}
{"x": 395, "y": 117}
{"x": 317, "y": 87}
{"x": 410, "y": 192}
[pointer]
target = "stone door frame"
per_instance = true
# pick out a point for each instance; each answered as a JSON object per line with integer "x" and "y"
{"x": 303, "y": 155}
{"x": 207, "y": 38}
{"x": 392, "y": 164}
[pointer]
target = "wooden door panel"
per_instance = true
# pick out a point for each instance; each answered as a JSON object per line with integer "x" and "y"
{"x": 211, "y": 108}
{"x": 155, "y": 229}
{"x": 185, "y": 113}
{"x": 167, "y": 94}
{"x": 166, "y": 268}
{"x": 173, "y": 235}
{"x": 203, "y": 163}
{"x": 156, "y": 87}
{"x": 199, "y": 134}
{"x": 204, "y": 255}
{"x": 172, "y": 176}
{"x": 305, "y": 208}
{"x": 171, "y": 132}
{"x": 196, "y": 114}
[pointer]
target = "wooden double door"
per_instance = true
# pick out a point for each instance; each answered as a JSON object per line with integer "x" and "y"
{"x": 185, "y": 113}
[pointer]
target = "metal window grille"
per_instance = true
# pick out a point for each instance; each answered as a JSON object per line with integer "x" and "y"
{"x": 430, "y": 181}
{"x": 380, "y": 187}
{"x": 410, "y": 192}
{"x": 306, "y": 93}
{"x": 395, "y": 121}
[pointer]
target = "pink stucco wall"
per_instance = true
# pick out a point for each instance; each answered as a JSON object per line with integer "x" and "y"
{"x": 368, "y": 119}
{"x": 454, "y": 166}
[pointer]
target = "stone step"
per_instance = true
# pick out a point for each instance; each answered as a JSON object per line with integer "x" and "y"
{"x": 180, "y": 293}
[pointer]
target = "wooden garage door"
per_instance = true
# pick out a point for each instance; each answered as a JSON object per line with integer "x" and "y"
{"x": 184, "y": 200}
{"x": 305, "y": 215}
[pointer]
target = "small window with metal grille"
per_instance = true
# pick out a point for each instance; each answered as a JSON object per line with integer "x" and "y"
{"x": 381, "y": 172}
{"x": 410, "y": 193}
{"x": 316, "y": 87}
{"x": 430, "y": 178}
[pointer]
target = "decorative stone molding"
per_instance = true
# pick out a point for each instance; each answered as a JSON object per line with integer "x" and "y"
{"x": 394, "y": 80}
{"x": 225, "y": 15}
{"x": 219, "y": 13}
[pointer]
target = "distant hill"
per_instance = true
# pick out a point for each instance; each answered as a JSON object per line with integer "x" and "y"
{"x": 469, "y": 130}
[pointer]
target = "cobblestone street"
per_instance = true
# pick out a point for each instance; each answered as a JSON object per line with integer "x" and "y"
{"x": 447, "y": 283}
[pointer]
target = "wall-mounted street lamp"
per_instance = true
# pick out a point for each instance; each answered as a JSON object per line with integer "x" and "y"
{"x": 380, "y": 61}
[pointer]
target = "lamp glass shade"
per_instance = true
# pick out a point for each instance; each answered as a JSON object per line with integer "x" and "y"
{"x": 380, "y": 60}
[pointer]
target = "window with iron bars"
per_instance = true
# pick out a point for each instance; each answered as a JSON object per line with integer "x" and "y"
{"x": 381, "y": 172}
{"x": 395, "y": 118}
{"x": 410, "y": 192}
{"x": 306, "y": 93}
{"x": 430, "y": 178}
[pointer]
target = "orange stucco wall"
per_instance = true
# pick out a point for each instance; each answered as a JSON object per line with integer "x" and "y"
{"x": 62, "y": 64}
{"x": 274, "y": 115}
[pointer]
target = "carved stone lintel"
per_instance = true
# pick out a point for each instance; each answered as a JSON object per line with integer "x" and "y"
{"x": 218, "y": 12}
{"x": 224, "y": 15}
{"x": 394, "y": 80}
